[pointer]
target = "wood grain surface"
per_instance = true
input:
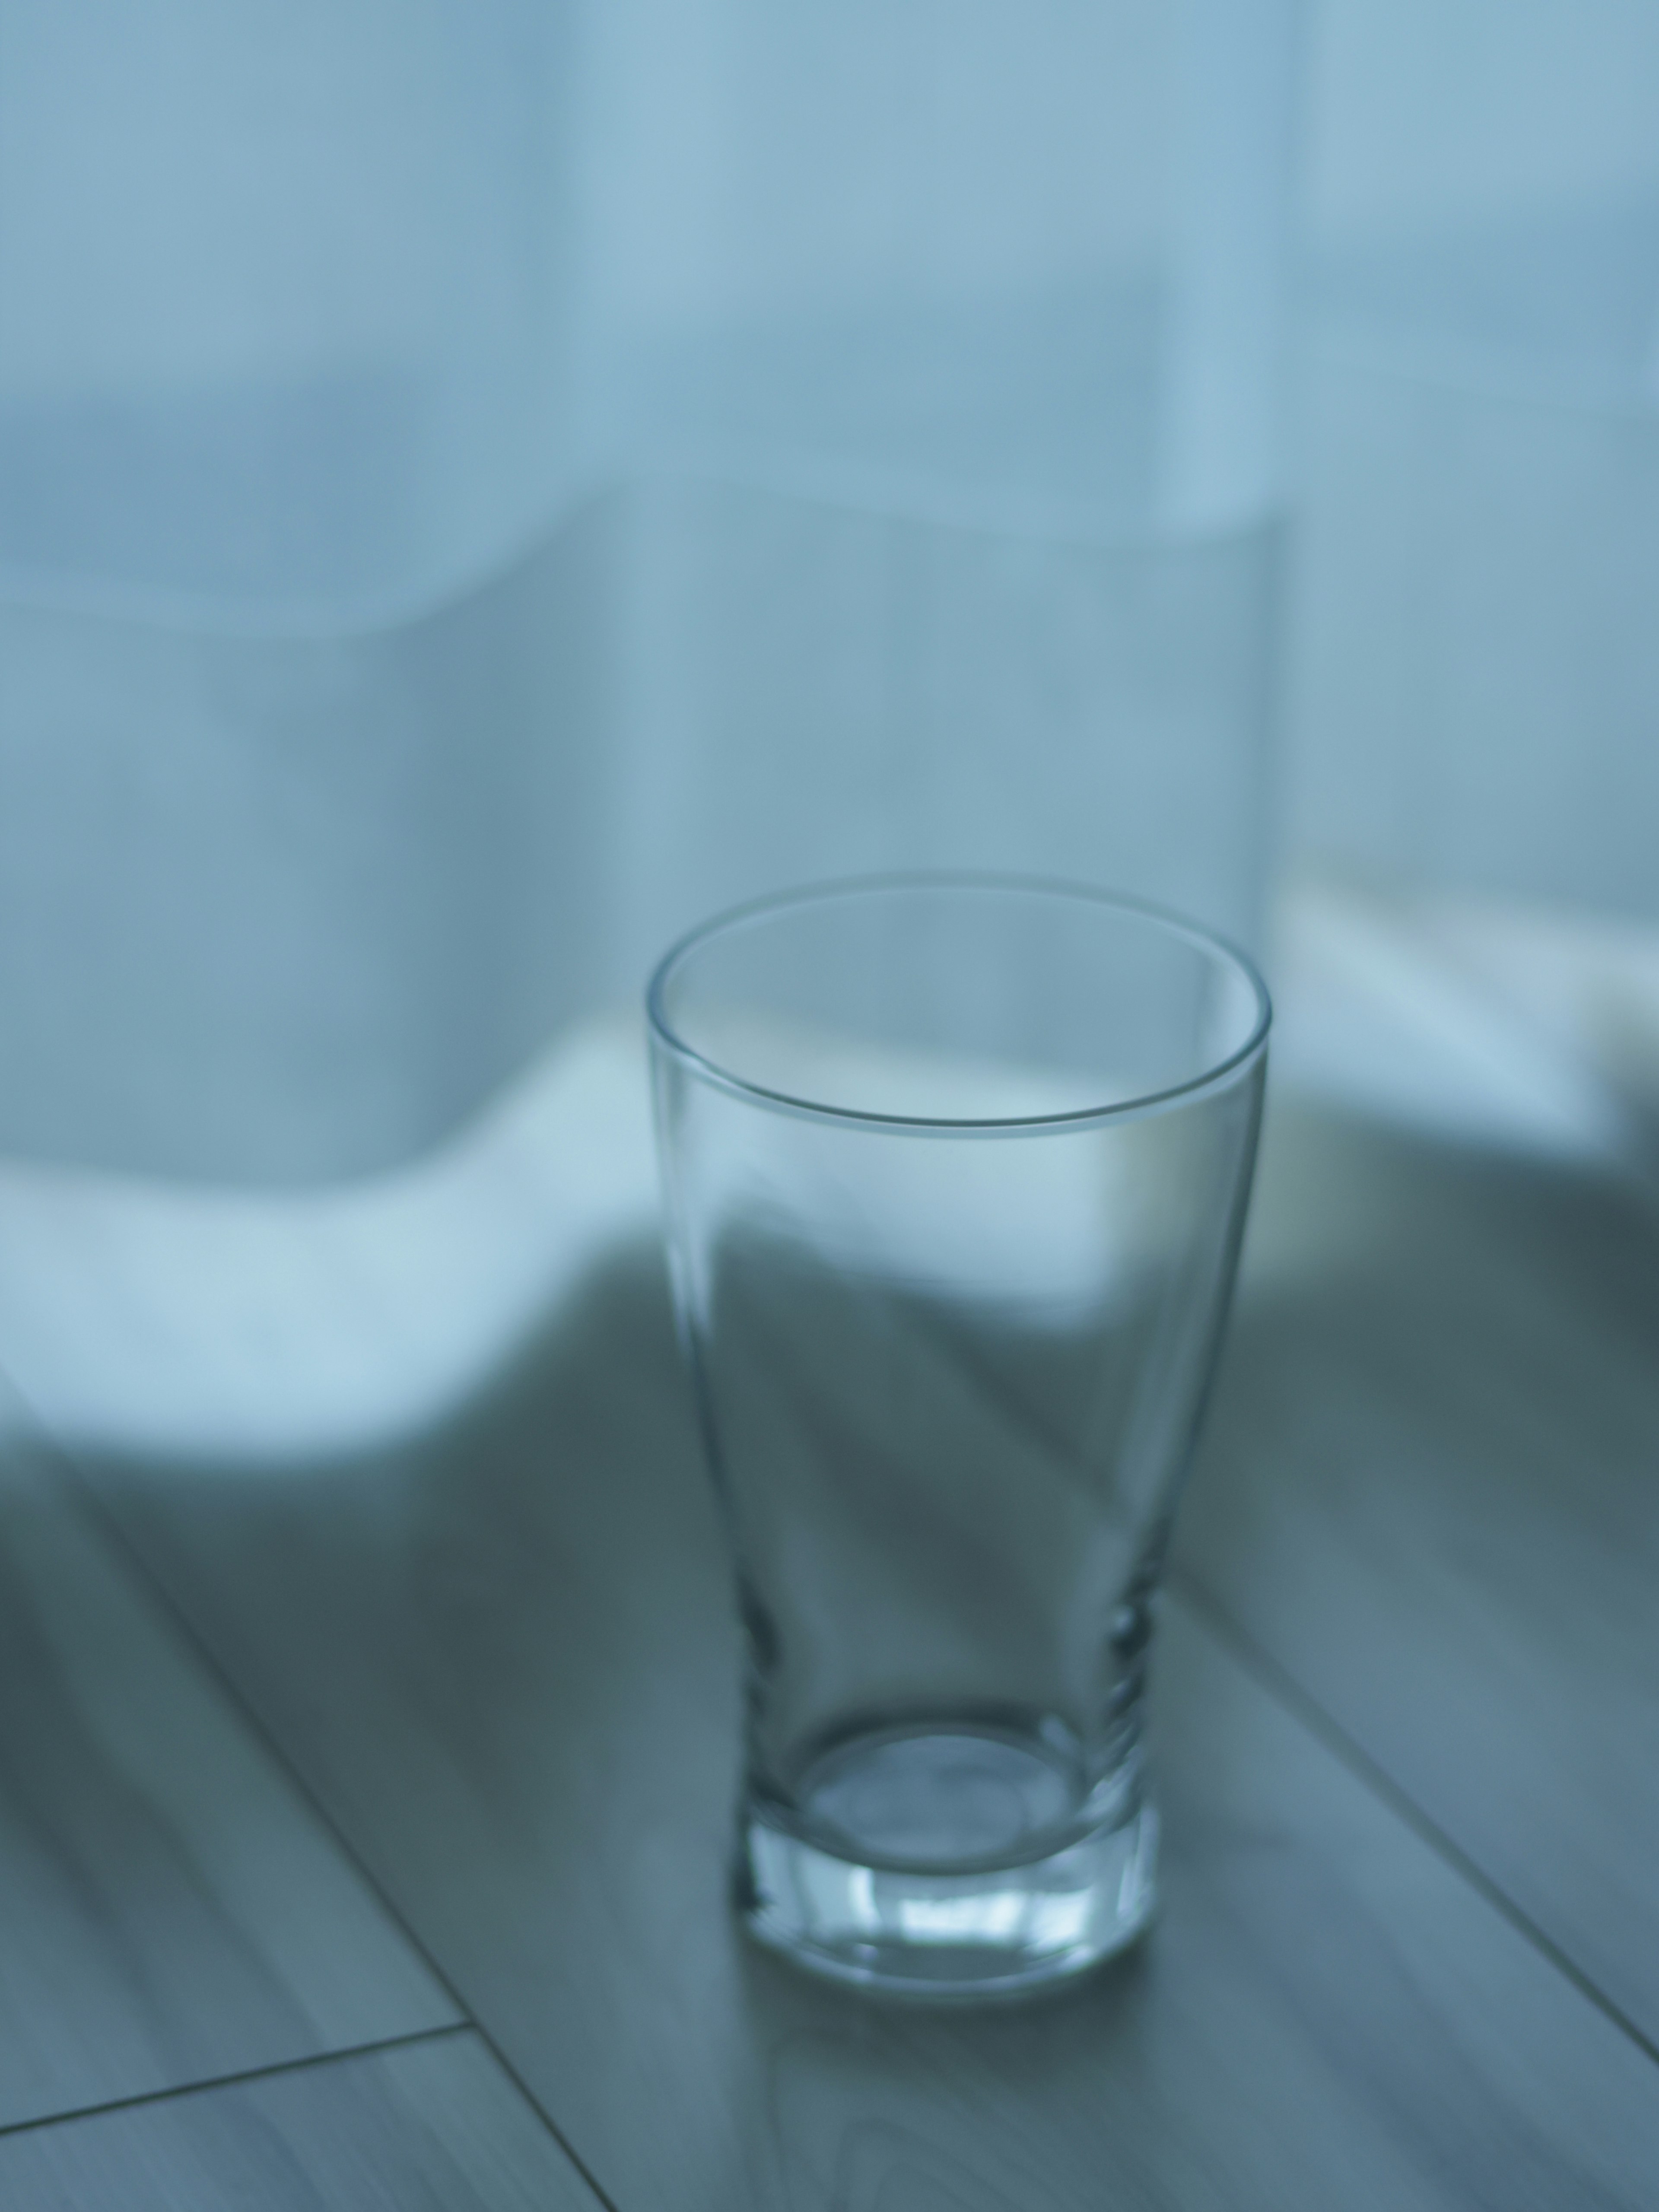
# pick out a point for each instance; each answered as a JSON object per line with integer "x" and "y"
{"x": 432, "y": 2127}
{"x": 502, "y": 1656}
{"x": 170, "y": 1908}
{"x": 1431, "y": 1492}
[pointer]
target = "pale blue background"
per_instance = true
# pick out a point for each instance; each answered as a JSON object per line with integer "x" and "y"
{"x": 482, "y": 481}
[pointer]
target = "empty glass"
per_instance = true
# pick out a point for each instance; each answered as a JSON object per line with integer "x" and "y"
{"x": 955, "y": 1171}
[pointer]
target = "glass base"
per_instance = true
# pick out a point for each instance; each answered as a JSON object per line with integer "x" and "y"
{"x": 925, "y": 1876}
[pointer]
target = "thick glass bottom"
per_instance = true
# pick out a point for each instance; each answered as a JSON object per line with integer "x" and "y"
{"x": 924, "y": 1875}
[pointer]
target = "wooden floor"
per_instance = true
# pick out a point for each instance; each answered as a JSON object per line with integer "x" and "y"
{"x": 363, "y": 1806}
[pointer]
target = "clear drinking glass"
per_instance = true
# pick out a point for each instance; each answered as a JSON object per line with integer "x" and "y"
{"x": 955, "y": 1171}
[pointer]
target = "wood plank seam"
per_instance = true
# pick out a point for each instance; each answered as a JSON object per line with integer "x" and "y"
{"x": 309, "y": 2063}
{"x": 1282, "y": 1686}
{"x": 75, "y": 1482}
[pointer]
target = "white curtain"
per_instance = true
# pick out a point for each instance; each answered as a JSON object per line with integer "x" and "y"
{"x": 482, "y": 482}
{"x": 1474, "y": 681}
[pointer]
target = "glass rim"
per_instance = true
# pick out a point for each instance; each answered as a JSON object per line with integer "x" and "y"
{"x": 1220, "y": 949}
